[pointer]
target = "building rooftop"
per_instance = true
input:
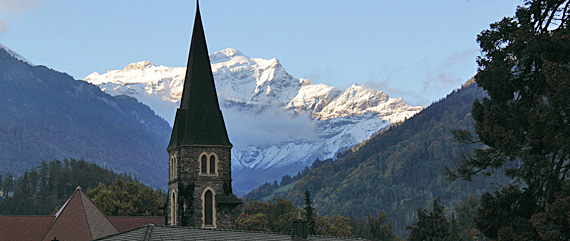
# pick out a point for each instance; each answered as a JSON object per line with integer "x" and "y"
{"x": 78, "y": 219}
{"x": 199, "y": 120}
{"x": 163, "y": 233}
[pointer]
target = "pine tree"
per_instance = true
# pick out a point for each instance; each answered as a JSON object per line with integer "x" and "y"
{"x": 377, "y": 230}
{"x": 432, "y": 226}
{"x": 524, "y": 121}
{"x": 309, "y": 213}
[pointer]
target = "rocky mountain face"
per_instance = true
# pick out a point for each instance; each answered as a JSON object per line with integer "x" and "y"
{"x": 47, "y": 115}
{"x": 277, "y": 123}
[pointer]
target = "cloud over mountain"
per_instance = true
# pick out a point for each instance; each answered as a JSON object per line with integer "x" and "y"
{"x": 275, "y": 121}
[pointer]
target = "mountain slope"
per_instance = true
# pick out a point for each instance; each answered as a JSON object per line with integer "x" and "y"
{"x": 398, "y": 170}
{"x": 46, "y": 115}
{"x": 277, "y": 123}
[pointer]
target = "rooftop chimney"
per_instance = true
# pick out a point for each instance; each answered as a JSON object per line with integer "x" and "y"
{"x": 300, "y": 230}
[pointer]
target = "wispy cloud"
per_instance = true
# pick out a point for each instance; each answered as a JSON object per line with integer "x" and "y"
{"x": 269, "y": 127}
{"x": 435, "y": 81}
{"x": 19, "y": 5}
{"x": 411, "y": 97}
{"x": 383, "y": 79}
{"x": 320, "y": 74}
{"x": 10, "y": 7}
{"x": 442, "y": 77}
{"x": 460, "y": 57}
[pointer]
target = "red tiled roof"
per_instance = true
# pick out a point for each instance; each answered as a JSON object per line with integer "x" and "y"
{"x": 80, "y": 219}
{"x": 24, "y": 227}
{"x": 128, "y": 223}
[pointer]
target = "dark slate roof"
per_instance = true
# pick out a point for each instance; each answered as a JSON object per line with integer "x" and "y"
{"x": 163, "y": 233}
{"x": 227, "y": 199}
{"x": 199, "y": 120}
{"x": 24, "y": 227}
{"x": 127, "y": 223}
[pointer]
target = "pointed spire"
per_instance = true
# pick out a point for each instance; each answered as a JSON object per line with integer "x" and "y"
{"x": 198, "y": 70}
{"x": 199, "y": 120}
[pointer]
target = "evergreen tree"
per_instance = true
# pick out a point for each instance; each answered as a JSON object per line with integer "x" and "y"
{"x": 309, "y": 213}
{"x": 432, "y": 226}
{"x": 43, "y": 192}
{"x": 286, "y": 180}
{"x": 524, "y": 121}
{"x": 554, "y": 223}
{"x": 377, "y": 230}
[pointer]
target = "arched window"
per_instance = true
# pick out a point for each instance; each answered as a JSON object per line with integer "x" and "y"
{"x": 208, "y": 208}
{"x": 173, "y": 209}
{"x": 174, "y": 167}
{"x": 204, "y": 164}
{"x": 170, "y": 166}
{"x": 208, "y": 164}
{"x": 212, "y": 164}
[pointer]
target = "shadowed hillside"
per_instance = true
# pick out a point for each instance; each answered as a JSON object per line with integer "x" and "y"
{"x": 399, "y": 169}
{"x": 47, "y": 115}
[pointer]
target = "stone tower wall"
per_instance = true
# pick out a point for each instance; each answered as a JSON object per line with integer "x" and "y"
{"x": 190, "y": 185}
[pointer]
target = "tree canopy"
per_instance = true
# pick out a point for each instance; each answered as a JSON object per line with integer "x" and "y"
{"x": 128, "y": 198}
{"x": 524, "y": 122}
{"x": 44, "y": 190}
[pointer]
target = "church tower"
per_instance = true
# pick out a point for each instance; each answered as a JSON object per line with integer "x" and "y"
{"x": 199, "y": 182}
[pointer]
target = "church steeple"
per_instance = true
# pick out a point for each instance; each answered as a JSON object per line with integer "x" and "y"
{"x": 199, "y": 120}
{"x": 200, "y": 170}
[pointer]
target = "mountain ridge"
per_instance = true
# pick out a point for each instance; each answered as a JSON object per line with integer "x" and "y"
{"x": 276, "y": 122}
{"x": 47, "y": 115}
{"x": 399, "y": 169}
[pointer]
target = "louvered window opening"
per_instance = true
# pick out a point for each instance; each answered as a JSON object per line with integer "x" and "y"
{"x": 212, "y": 165}
{"x": 204, "y": 165}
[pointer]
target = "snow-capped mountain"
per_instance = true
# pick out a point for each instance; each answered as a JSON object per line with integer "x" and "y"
{"x": 277, "y": 123}
{"x": 16, "y": 55}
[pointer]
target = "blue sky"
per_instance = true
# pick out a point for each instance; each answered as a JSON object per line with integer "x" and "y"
{"x": 419, "y": 50}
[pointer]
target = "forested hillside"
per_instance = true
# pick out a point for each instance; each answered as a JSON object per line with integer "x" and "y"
{"x": 44, "y": 190}
{"x": 399, "y": 169}
{"x": 47, "y": 115}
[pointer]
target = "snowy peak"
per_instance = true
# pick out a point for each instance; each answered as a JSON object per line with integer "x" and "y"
{"x": 250, "y": 84}
{"x": 313, "y": 98}
{"x": 224, "y": 55}
{"x": 325, "y": 102}
{"x": 250, "y": 81}
{"x": 280, "y": 122}
{"x": 356, "y": 100}
{"x": 139, "y": 65}
{"x": 15, "y": 55}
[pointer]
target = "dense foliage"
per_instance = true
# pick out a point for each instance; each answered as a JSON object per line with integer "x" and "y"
{"x": 44, "y": 190}
{"x": 128, "y": 198}
{"x": 47, "y": 115}
{"x": 278, "y": 214}
{"x": 399, "y": 169}
{"x": 524, "y": 123}
{"x": 270, "y": 190}
{"x": 435, "y": 225}
{"x": 432, "y": 226}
